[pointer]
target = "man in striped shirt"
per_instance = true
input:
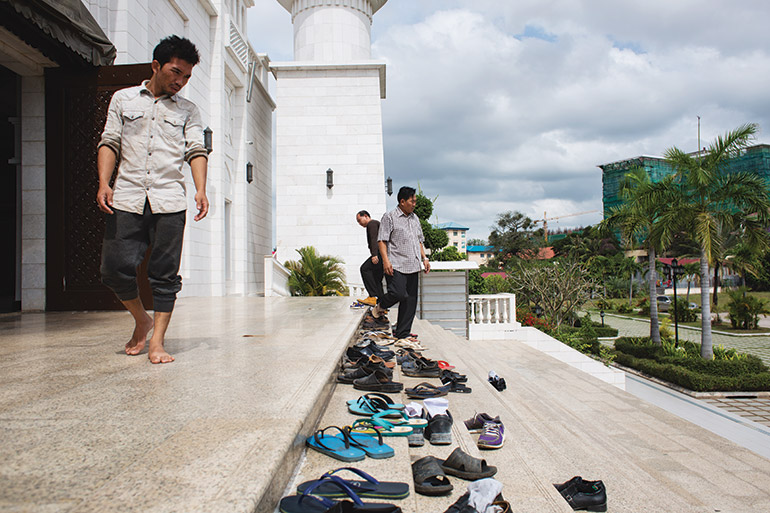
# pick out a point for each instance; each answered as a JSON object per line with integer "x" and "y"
{"x": 403, "y": 256}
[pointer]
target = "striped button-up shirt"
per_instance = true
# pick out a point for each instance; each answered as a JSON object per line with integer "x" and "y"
{"x": 402, "y": 235}
{"x": 153, "y": 138}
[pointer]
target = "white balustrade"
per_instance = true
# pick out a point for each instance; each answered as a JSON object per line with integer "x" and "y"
{"x": 276, "y": 278}
{"x": 492, "y": 316}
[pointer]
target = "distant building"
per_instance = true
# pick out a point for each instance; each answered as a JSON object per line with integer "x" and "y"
{"x": 755, "y": 159}
{"x": 480, "y": 254}
{"x": 456, "y": 234}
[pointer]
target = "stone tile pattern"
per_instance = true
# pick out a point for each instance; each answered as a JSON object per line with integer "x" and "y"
{"x": 757, "y": 410}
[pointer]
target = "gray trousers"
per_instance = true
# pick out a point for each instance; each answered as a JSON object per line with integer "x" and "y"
{"x": 126, "y": 239}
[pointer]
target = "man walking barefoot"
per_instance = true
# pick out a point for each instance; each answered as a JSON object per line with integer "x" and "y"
{"x": 403, "y": 254}
{"x": 150, "y": 132}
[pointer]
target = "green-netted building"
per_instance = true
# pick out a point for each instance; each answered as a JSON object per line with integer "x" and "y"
{"x": 755, "y": 159}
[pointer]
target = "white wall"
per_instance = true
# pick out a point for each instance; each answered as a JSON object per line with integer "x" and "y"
{"x": 328, "y": 117}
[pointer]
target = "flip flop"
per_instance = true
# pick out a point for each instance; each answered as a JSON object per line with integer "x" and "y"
{"x": 307, "y": 503}
{"x": 429, "y": 478}
{"x": 443, "y": 364}
{"x": 372, "y": 445}
{"x": 334, "y": 446}
{"x": 465, "y": 466}
{"x": 371, "y": 403}
{"x": 424, "y": 390}
{"x": 402, "y": 420}
{"x": 369, "y": 488}
{"x": 381, "y": 426}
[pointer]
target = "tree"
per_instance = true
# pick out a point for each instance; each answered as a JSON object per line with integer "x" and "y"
{"x": 448, "y": 254}
{"x": 315, "y": 275}
{"x": 707, "y": 197}
{"x": 635, "y": 218}
{"x": 476, "y": 242}
{"x": 559, "y": 287}
{"x": 476, "y": 284}
{"x": 690, "y": 272}
{"x": 435, "y": 239}
{"x": 511, "y": 236}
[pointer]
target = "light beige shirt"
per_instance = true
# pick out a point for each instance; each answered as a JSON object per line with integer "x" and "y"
{"x": 153, "y": 138}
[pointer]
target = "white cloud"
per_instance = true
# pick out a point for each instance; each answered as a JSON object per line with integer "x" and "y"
{"x": 497, "y": 106}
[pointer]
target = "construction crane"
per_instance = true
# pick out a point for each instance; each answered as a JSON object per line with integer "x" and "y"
{"x": 545, "y": 220}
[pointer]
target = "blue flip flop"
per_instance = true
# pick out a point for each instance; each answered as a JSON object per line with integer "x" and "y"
{"x": 307, "y": 503}
{"x": 369, "y": 404}
{"x": 371, "y": 444}
{"x": 368, "y": 488}
{"x": 337, "y": 447}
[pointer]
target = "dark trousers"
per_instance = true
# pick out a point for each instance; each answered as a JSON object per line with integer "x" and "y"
{"x": 402, "y": 289}
{"x": 372, "y": 276}
{"x": 126, "y": 239}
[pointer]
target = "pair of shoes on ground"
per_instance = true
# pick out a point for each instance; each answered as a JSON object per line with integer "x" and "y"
{"x": 491, "y": 428}
{"x": 355, "y": 352}
{"x": 426, "y": 390}
{"x": 347, "y": 445}
{"x": 430, "y": 474}
{"x": 584, "y": 495}
{"x": 319, "y": 495}
{"x": 496, "y": 381}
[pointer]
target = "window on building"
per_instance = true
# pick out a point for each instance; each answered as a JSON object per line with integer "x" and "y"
{"x": 455, "y": 244}
{"x": 455, "y": 233}
{"x": 463, "y": 235}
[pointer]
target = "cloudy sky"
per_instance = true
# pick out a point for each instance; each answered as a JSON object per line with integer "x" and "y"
{"x": 496, "y": 105}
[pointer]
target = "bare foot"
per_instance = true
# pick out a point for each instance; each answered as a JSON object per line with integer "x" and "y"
{"x": 159, "y": 355}
{"x": 139, "y": 338}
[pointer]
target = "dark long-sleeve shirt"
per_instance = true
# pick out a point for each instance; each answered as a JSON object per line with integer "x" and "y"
{"x": 372, "y": 230}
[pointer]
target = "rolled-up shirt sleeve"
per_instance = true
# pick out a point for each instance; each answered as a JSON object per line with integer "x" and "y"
{"x": 193, "y": 135}
{"x": 113, "y": 127}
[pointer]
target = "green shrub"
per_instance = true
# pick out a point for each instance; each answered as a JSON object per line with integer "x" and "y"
{"x": 604, "y": 304}
{"x": 745, "y": 309}
{"x": 683, "y": 312}
{"x": 683, "y": 365}
{"x": 624, "y": 308}
{"x": 644, "y": 306}
{"x": 605, "y": 331}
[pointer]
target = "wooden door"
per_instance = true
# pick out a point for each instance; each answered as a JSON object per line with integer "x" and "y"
{"x": 76, "y": 109}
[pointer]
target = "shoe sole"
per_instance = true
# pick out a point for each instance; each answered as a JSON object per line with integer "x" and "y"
{"x": 441, "y": 439}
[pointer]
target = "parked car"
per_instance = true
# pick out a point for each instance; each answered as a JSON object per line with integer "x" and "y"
{"x": 664, "y": 303}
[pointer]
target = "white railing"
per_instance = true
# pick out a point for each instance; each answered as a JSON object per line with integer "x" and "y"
{"x": 276, "y": 278}
{"x": 492, "y": 308}
{"x": 237, "y": 46}
{"x": 492, "y": 316}
{"x": 357, "y": 290}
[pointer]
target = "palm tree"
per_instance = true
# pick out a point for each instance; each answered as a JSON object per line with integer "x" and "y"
{"x": 706, "y": 197}
{"x": 636, "y": 218}
{"x": 315, "y": 275}
{"x": 690, "y": 271}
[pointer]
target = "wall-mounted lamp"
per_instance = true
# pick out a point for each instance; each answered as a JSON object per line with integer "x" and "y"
{"x": 207, "y": 132}
{"x": 249, "y": 172}
{"x": 329, "y": 178}
{"x": 389, "y": 186}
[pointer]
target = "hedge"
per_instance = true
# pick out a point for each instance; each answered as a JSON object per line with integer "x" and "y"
{"x": 746, "y": 374}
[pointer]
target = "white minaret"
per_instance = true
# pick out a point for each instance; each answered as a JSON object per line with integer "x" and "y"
{"x": 328, "y": 117}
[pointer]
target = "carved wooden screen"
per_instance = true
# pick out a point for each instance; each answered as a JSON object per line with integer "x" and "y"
{"x": 76, "y": 108}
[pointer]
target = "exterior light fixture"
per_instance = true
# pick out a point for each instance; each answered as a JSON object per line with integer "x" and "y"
{"x": 389, "y": 186}
{"x": 207, "y": 132}
{"x": 249, "y": 172}
{"x": 329, "y": 178}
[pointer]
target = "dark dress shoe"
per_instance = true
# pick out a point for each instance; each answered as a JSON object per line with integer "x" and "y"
{"x": 584, "y": 495}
